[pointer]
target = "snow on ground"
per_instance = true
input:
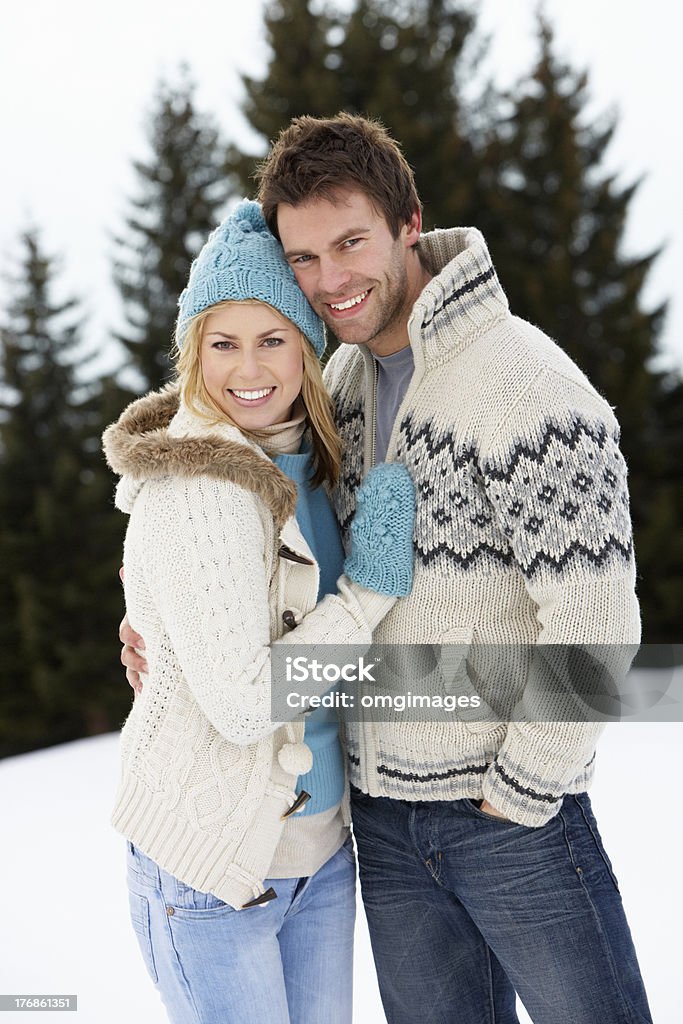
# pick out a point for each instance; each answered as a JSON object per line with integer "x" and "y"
{"x": 64, "y": 920}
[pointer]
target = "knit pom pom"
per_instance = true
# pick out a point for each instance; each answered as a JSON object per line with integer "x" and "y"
{"x": 295, "y": 758}
{"x": 247, "y": 215}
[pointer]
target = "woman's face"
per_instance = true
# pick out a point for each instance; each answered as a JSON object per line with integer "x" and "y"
{"x": 252, "y": 364}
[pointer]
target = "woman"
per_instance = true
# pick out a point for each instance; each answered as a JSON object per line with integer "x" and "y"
{"x": 241, "y": 870}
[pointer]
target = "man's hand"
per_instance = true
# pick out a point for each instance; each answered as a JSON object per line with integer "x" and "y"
{"x": 134, "y": 663}
{"x": 487, "y": 808}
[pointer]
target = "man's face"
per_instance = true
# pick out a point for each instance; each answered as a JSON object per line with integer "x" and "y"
{"x": 357, "y": 277}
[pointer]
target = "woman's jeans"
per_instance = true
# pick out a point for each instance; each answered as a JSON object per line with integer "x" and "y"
{"x": 288, "y": 961}
{"x": 464, "y": 909}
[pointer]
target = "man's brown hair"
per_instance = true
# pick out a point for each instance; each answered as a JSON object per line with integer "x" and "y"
{"x": 315, "y": 157}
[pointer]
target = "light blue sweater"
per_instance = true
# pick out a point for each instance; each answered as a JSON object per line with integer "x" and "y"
{"x": 325, "y": 780}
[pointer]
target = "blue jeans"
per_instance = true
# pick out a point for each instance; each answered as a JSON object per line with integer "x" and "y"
{"x": 288, "y": 961}
{"x": 465, "y": 909}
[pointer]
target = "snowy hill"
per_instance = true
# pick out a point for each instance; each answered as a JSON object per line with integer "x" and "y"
{"x": 65, "y": 927}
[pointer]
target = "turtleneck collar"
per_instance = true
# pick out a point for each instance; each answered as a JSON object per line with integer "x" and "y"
{"x": 283, "y": 438}
{"x": 462, "y": 300}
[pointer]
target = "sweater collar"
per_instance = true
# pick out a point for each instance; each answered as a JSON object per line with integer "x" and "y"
{"x": 284, "y": 438}
{"x": 157, "y": 437}
{"x": 462, "y": 300}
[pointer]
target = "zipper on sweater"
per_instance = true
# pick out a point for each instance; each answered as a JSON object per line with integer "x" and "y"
{"x": 365, "y": 732}
{"x": 373, "y": 450}
{"x": 370, "y": 413}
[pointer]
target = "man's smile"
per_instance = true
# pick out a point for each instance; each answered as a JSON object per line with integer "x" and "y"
{"x": 348, "y": 307}
{"x": 348, "y": 303}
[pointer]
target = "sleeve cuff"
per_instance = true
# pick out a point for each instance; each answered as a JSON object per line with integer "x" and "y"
{"x": 374, "y": 606}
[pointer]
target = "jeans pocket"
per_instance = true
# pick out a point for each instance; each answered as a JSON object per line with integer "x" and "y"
{"x": 139, "y": 915}
{"x": 582, "y": 801}
{"x": 475, "y": 805}
{"x": 362, "y": 802}
{"x": 142, "y": 871}
{"x": 188, "y": 902}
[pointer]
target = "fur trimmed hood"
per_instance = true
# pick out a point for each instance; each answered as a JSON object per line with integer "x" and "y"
{"x": 154, "y": 437}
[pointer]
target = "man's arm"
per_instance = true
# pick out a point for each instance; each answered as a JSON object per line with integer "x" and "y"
{"x": 556, "y": 482}
{"x": 134, "y": 663}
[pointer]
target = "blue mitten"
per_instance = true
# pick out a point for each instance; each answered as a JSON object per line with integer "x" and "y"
{"x": 381, "y": 556}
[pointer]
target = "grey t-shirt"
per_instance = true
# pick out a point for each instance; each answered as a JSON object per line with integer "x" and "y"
{"x": 393, "y": 377}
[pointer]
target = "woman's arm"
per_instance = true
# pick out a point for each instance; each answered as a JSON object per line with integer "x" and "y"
{"x": 204, "y": 564}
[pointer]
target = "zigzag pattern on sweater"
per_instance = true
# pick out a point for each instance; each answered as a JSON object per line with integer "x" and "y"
{"x": 464, "y": 561}
{"x": 411, "y": 437}
{"x": 350, "y": 422}
{"x": 596, "y": 558}
{"x": 549, "y": 500}
{"x": 561, "y": 495}
{"x": 571, "y": 438}
{"x": 455, "y": 521}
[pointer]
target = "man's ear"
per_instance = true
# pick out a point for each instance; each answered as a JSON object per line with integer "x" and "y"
{"x": 413, "y": 229}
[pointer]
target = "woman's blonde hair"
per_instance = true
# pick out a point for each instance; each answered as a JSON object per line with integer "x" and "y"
{"x": 325, "y": 443}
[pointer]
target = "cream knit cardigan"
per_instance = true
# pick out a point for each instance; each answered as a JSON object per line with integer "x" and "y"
{"x": 208, "y": 576}
{"x": 523, "y": 538}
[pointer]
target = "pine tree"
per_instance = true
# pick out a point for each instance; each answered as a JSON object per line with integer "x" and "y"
{"x": 659, "y": 542}
{"x": 60, "y": 535}
{"x": 555, "y": 219}
{"x": 300, "y": 79}
{"x": 182, "y": 186}
{"x": 400, "y": 61}
{"x": 405, "y": 62}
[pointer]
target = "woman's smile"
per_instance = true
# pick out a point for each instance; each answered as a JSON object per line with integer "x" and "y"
{"x": 252, "y": 399}
{"x": 252, "y": 364}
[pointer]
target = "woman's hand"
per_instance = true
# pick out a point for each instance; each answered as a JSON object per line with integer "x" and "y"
{"x": 381, "y": 557}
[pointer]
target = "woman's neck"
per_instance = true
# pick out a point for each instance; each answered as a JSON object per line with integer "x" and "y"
{"x": 283, "y": 438}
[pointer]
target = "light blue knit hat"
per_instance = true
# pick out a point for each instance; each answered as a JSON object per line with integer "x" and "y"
{"x": 243, "y": 260}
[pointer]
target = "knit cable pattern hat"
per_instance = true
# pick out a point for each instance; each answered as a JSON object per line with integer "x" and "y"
{"x": 243, "y": 260}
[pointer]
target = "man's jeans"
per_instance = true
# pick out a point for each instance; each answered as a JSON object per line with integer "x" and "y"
{"x": 464, "y": 909}
{"x": 286, "y": 962}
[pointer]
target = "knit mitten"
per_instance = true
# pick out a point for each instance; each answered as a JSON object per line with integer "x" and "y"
{"x": 381, "y": 557}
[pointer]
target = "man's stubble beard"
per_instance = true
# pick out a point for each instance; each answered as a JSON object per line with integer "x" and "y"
{"x": 390, "y": 315}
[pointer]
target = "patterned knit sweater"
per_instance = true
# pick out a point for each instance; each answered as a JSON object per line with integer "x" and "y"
{"x": 213, "y": 559}
{"x": 522, "y": 538}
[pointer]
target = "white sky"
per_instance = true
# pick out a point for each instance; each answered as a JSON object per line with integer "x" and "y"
{"x": 65, "y": 928}
{"x": 77, "y": 79}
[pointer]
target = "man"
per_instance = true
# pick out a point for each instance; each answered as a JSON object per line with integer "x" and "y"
{"x": 482, "y": 868}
